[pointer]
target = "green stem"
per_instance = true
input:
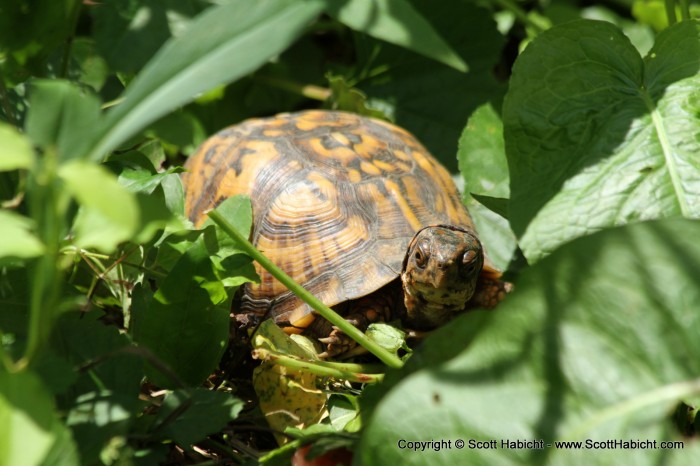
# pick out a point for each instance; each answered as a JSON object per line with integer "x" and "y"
{"x": 69, "y": 41}
{"x": 326, "y": 312}
{"x": 84, "y": 252}
{"x": 671, "y": 12}
{"x": 5, "y": 102}
{"x": 309, "y": 91}
{"x": 521, "y": 15}
{"x": 112, "y": 103}
{"x": 45, "y": 206}
{"x": 321, "y": 368}
{"x": 212, "y": 444}
{"x": 685, "y": 10}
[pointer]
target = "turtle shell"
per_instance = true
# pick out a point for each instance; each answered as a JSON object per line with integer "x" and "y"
{"x": 336, "y": 200}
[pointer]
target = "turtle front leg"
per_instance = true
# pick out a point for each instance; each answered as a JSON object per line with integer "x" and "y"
{"x": 381, "y": 306}
{"x": 338, "y": 343}
{"x": 490, "y": 292}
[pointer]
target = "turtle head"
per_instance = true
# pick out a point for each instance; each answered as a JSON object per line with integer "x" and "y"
{"x": 440, "y": 273}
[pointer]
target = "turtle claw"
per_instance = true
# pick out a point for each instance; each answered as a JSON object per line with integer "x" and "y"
{"x": 336, "y": 343}
{"x": 328, "y": 340}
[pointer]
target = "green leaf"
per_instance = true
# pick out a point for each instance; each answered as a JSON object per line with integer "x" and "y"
{"x": 141, "y": 180}
{"x": 154, "y": 216}
{"x": 347, "y": 98}
{"x": 186, "y": 325}
{"x": 641, "y": 35}
{"x": 397, "y": 22}
{"x": 135, "y": 171}
{"x": 31, "y": 28}
{"x": 15, "y": 150}
{"x": 484, "y": 168}
{"x": 174, "y": 194}
{"x": 97, "y": 417}
{"x": 18, "y": 241}
{"x": 64, "y": 451}
{"x": 387, "y": 336}
{"x": 179, "y": 131}
{"x": 208, "y": 411}
{"x": 238, "y": 211}
{"x": 61, "y": 115}
{"x": 172, "y": 246}
{"x": 103, "y": 402}
{"x": 81, "y": 337}
{"x": 431, "y": 100}
{"x": 85, "y": 66}
{"x": 129, "y": 33}
{"x": 652, "y": 12}
{"x": 15, "y": 295}
{"x": 27, "y": 419}
{"x": 109, "y": 214}
{"x": 493, "y": 228}
{"x": 344, "y": 412}
{"x": 596, "y": 136}
{"x": 287, "y": 397}
{"x": 598, "y": 341}
{"x": 235, "y": 270}
{"x": 213, "y": 50}
{"x": 482, "y": 154}
{"x": 42, "y": 21}
{"x": 497, "y": 205}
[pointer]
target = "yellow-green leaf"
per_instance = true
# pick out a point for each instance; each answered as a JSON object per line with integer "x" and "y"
{"x": 15, "y": 149}
{"x": 288, "y": 397}
{"x": 109, "y": 212}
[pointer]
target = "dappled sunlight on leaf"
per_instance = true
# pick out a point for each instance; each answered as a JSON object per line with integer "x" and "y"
{"x": 288, "y": 397}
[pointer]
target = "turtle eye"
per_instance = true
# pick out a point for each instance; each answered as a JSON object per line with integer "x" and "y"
{"x": 422, "y": 255}
{"x": 470, "y": 262}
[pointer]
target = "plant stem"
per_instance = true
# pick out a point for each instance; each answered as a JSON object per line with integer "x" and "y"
{"x": 671, "y": 12}
{"x": 46, "y": 208}
{"x": 68, "y": 46}
{"x": 340, "y": 366}
{"x": 84, "y": 253}
{"x": 309, "y": 91}
{"x": 326, "y": 312}
{"x": 521, "y": 15}
{"x": 321, "y": 368}
{"x": 685, "y": 10}
{"x": 6, "y": 107}
{"x": 212, "y": 444}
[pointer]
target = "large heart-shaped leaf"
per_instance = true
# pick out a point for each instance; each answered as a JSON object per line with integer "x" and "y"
{"x": 597, "y": 136}
{"x": 598, "y": 342}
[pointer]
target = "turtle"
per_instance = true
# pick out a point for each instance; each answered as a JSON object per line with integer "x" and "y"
{"x": 353, "y": 208}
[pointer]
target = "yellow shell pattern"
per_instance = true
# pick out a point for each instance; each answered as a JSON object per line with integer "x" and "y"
{"x": 336, "y": 200}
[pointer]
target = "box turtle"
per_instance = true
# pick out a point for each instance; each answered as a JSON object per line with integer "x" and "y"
{"x": 354, "y": 209}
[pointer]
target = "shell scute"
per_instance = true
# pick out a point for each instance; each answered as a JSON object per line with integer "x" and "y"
{"x": 336, "y": 200}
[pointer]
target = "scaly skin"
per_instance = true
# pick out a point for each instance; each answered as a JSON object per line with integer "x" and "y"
{"x": 440, "y": 274}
